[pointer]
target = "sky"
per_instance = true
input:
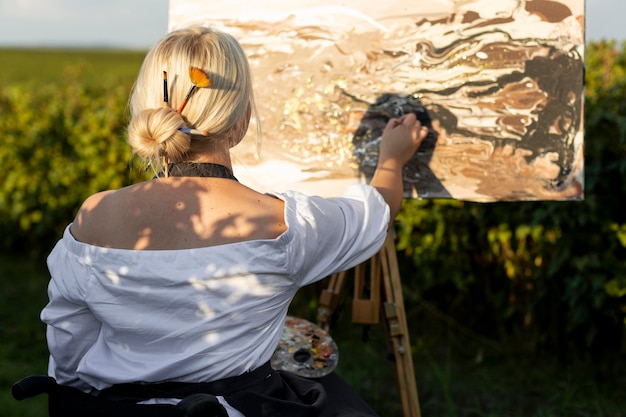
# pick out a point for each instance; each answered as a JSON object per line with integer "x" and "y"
{"x": 139, "y": 24}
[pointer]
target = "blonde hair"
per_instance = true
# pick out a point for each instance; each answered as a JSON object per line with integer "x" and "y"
{"x": 153, "y": 129}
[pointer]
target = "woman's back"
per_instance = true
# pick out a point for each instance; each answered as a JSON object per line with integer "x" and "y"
{"x": 178, "y": 213}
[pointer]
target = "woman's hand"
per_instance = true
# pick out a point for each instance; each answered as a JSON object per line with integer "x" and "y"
{"x": 401, "y": 138}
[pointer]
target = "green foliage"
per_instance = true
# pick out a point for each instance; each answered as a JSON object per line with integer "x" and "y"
{"x": 59, "y": 144}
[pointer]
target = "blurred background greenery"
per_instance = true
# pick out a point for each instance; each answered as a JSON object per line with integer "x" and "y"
{"x": 514, "y": 309}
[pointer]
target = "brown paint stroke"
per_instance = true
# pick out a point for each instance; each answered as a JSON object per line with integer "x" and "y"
{"x": 549, "y": 11}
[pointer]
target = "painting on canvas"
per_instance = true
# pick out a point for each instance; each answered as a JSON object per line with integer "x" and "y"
{"x": 499, "y": 82}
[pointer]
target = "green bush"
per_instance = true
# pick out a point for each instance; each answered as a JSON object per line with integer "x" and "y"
{"x": 60, "y": 143}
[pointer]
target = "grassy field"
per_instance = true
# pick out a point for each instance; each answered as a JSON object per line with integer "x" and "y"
{"x": 60, "y": 65}
{"x": 23, "y": 349}
{"x": 459, "y": 374}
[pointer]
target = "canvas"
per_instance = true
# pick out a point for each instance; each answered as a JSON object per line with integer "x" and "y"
{"x": 498, "y": 82}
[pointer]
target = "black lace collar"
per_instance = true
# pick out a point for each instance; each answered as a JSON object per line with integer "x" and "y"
{"x": 198, "y": 169}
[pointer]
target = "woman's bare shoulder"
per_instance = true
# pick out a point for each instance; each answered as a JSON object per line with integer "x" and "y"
{"x": 90, "y": 209}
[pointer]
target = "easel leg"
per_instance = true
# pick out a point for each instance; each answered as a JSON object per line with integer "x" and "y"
{"x": 383, "y": 265}
{"x": 397, "y": 329}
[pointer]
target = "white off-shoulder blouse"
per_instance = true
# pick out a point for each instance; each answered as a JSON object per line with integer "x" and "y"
{"x": 197, "y": 315}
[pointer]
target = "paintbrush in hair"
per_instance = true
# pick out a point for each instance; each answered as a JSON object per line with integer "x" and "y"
{"x": 199, "y": 79}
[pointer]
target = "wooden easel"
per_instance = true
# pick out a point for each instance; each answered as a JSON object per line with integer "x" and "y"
{"x": 384, "y": 277}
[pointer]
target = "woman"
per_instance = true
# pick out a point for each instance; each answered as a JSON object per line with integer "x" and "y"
{"x": 186, "y": 279}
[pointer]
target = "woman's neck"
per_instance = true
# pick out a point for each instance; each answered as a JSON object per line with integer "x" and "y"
{"x": 215, "y": 151}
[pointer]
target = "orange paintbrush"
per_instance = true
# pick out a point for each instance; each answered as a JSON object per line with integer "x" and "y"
{"x": 199, "y": 79}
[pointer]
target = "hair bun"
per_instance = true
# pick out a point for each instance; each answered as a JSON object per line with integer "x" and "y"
{"x": 153, "y": 133}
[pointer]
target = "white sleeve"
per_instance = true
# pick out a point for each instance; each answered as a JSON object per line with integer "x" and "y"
{"x": 71, "y": 326}
{"x": 335, "y": 234}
